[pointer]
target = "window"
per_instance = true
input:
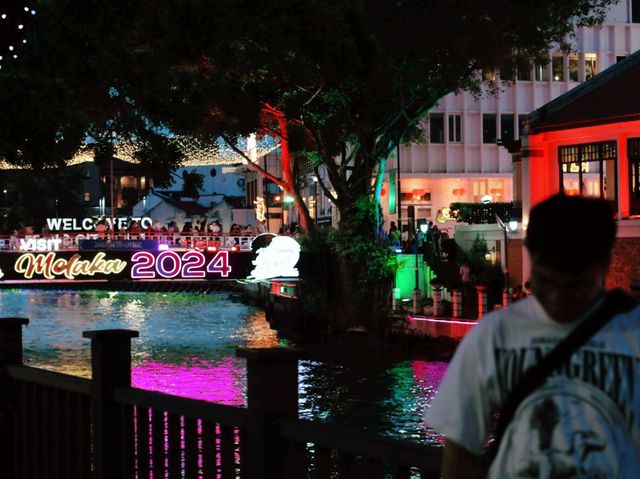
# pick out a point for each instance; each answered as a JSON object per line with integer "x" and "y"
{"x": 635, "y": 11}
{"x": 128, "y": 182}
{"x": 488, "y": 128}
{"x": 590, "y": 65}
{"x": 557, "y": 67}
{"x": 522, "y": 123}
{"x": 573, "y": 67}
{"x": 589, "y": 169}
{"x": 507, "y": 73}
{"x": 415, "y": 195}
{"x": 489, "y": 75}
{"x": 479, "y": 189}
{"x": 436, "y": 128}
{"x": 507, "y": 128}
{"x": 455, "y": 128}
{"x": 542, "y": 72}
{"x": 523, "y": 71}
{"x": 633, "y": 152}
{"x": 87, "y": 197}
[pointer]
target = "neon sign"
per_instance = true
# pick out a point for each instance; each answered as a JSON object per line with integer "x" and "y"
{"x": 169, "y": 264}
{"x": 279, "y": 258}
{"x": 50, "y": 267}
{"x": 121, "y": 266}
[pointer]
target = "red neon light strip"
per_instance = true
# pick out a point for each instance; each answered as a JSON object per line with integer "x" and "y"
{"x": 448, "y": 321}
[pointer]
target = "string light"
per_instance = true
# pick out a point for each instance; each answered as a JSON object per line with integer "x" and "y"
{"x": 13, "y": 27}
{"x": 195, "y": 152}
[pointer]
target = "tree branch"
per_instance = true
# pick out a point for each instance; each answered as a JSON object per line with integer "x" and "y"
{"x": 251, "y": 164}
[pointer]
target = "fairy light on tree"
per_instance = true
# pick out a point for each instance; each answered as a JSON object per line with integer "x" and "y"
{"x": 13, "y": 21}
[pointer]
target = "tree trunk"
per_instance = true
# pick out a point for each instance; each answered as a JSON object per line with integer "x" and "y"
{"x": 288, "y": 175}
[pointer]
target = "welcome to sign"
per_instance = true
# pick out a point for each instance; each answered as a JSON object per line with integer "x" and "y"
{"x": 88, "y": 224}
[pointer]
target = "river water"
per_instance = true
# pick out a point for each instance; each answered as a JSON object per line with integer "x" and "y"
{"x": 186, "y": 347}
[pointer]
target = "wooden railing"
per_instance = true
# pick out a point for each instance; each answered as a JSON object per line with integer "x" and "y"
{"x": 58, "y": 426}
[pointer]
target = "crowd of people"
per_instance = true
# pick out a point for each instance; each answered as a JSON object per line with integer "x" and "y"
{"x": 428, "y": 242}
{"x": 134, "y": 230}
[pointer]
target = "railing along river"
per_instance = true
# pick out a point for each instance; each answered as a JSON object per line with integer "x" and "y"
{"x": 59, "y": 426}
{"x": 70, "y": 241}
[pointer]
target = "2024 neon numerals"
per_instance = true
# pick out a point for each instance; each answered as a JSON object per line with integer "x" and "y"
{"x": 169, "y": 264}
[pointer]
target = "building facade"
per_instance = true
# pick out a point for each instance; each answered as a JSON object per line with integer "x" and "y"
{"x": 587, "y": 142}
{"x": 463, "y": 158}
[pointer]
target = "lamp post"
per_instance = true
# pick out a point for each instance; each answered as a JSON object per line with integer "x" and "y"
{"x": 113, "y": 221}
{"x": 506, "y": 228}
{"x": 398, "y": 188}
{"x": 315, "y": 204}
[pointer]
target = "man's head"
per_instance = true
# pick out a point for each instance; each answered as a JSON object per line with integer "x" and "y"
{"x": 569, "y": 239}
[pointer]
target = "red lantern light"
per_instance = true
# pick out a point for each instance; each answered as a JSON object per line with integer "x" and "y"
{"x": 458, "y": 192}
{"x": 383, "y": 191}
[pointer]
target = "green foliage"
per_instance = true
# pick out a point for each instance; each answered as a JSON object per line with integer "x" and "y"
{"x": 192, "y": 184}
{"x": 36, "y": 201}
{"x": 484, "y": 272}
{"x": 374, "y": 262}
{"x": 130, "y": 196}
{"x": 485, "y": 213}
{"x": 478, "y": 251}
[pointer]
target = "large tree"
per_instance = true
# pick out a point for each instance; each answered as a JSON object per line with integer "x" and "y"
{"x": 340, "y": 82}
{"x": 351, "y": 79}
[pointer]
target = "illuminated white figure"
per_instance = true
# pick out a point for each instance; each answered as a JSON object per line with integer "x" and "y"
{"x": 1, "y": 273}
{"x": 279, "y": 258}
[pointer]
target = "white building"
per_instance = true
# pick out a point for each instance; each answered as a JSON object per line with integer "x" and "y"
{"x": 462, "y": 159}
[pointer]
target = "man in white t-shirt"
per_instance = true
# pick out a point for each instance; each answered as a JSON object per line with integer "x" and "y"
{"x": 584, "y": 422}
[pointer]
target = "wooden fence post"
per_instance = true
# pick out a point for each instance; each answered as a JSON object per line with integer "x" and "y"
{"x": 437, "y": 300}
{"x": 272, "y": 391}
{"x": 111, "y": 433}
{"x": 11, "y": 340}
{"x": 482, "y": 300}
{"x": 10, "y": 353}
{"x": 456, "y": 303}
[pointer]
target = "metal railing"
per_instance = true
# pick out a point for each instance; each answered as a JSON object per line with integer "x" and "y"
{"x": 71, "y": 241}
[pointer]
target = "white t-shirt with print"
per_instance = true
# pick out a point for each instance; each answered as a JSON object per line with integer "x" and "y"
{"x": 584, "y": 422}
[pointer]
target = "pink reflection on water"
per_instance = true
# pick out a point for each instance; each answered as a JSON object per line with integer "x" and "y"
{"x": 221, "y": 381}
{"x": 430, "y": 375}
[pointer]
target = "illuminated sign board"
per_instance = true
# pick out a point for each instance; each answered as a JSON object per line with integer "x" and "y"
{"x": 88, "y": 224}
{"x": 68, "y": 266}
{"x": 50, "y": 266}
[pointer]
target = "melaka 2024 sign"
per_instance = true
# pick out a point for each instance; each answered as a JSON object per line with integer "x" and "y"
{"x": 123, "y": 265}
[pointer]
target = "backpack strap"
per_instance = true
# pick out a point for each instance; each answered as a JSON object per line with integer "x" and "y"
{"x": 615, "y": 302}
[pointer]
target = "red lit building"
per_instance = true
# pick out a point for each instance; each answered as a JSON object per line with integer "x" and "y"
{"x": 587, "y": 142}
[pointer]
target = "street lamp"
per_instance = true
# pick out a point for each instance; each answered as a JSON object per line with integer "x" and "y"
{"x": 315, "y": 193}
{"x": 510, "y": 226}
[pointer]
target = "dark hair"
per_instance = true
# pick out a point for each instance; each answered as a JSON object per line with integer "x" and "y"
{"x": 569, "y": 233}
